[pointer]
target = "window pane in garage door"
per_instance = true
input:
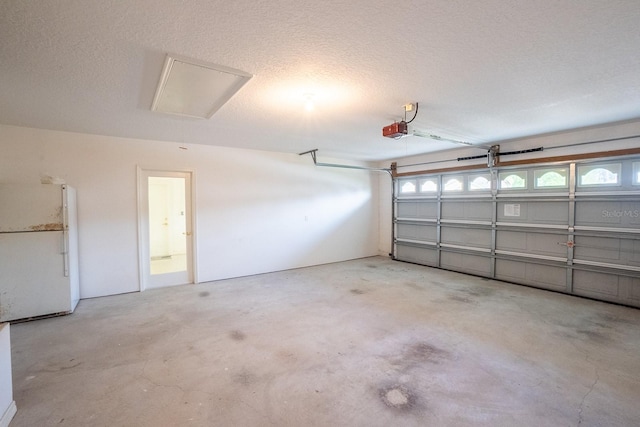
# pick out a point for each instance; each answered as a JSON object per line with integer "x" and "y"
{"x": 551, "y": 178}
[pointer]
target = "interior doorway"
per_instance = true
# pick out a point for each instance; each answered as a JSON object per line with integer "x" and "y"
{"x": 166, "y": 231}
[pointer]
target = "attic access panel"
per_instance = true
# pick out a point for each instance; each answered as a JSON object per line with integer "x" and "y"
{"x": 194, "y": 88}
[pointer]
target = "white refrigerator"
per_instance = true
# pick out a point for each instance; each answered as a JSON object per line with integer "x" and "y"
{"x": 38, "y": 251}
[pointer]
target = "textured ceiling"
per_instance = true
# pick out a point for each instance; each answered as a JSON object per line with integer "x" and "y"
{"x": 482, "y": 71}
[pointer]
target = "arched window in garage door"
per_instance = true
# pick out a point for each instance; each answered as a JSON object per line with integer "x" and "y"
{"x": 597, "y": 175}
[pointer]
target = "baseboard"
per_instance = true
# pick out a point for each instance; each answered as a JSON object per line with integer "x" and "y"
{"x": 8, "y": 414}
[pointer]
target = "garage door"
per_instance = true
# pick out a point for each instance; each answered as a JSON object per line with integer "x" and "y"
{"x": 571, "y": 227}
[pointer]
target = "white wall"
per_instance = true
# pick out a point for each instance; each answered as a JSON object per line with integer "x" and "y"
{"x": 255, "y": 211}
{"x": 547, "y": 141}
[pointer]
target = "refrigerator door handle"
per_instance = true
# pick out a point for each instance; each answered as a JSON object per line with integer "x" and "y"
{"x": 65, "y": 231}
{"x": 65, "y": 252}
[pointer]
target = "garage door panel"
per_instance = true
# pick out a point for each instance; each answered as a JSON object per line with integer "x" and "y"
{"x": 541, "y": 276}
{"x": 419, "y": 255}
{"x": 608, "y": 214}
{"x": 418, "y": 209}
{"x": 407, "y": 210}
{"x": 625, "y": 251}
{"x": 417, "y": 232}
{"x": 554, "y": 277}
{"x": 532, "y": 242}
{"x": 596, "y": 285}
{"x": 469, "y": 210}
{"x": 513, "y": 212}
{"x": 549, "y": 212}
{"x": 467, "y": 263}
{"x": 428, "y": 210}
{"x": 480, "y": 211}
{"x": 473, "y": 237}
{"x": 511, "y": 271}
{"x": 594, "y": 214}
{"x": 607, "y": 287}
{"x": 632, "y": 287}
{"x": 533, "y": 212}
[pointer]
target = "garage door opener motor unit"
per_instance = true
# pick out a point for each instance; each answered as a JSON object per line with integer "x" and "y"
{"x": 395, "y": 130}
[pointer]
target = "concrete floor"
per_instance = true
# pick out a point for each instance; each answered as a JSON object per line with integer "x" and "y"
{"x": 370, "y": 342}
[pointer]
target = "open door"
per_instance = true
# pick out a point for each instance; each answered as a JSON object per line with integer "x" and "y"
{"x": 166, "y": 232}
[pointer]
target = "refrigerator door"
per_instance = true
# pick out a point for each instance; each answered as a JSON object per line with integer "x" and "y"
{"x": 33, "y": 281}
{"x": 31, "y": 207}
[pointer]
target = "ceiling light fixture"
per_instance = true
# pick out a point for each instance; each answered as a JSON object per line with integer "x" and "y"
{"x": 193, "y": 88}
{"x": 308, "y": 102}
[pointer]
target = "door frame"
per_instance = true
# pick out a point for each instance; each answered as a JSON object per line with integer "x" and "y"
{"x": 143, "y": 225}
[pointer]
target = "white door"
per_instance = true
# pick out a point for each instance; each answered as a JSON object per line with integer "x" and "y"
{"x": 166, "y": 233}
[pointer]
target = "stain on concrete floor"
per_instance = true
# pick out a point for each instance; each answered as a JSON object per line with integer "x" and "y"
{"x": 425, "y": 352}
{"x": 245, "y": 378}
{"x": 458, "y": 298}
{"x": 397, "y": 397}
{"x": 592, "y": 335}
{"x": 237, "y": 335}
{"x": 414, "y": 286}
{"x": 477, "y": 291}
